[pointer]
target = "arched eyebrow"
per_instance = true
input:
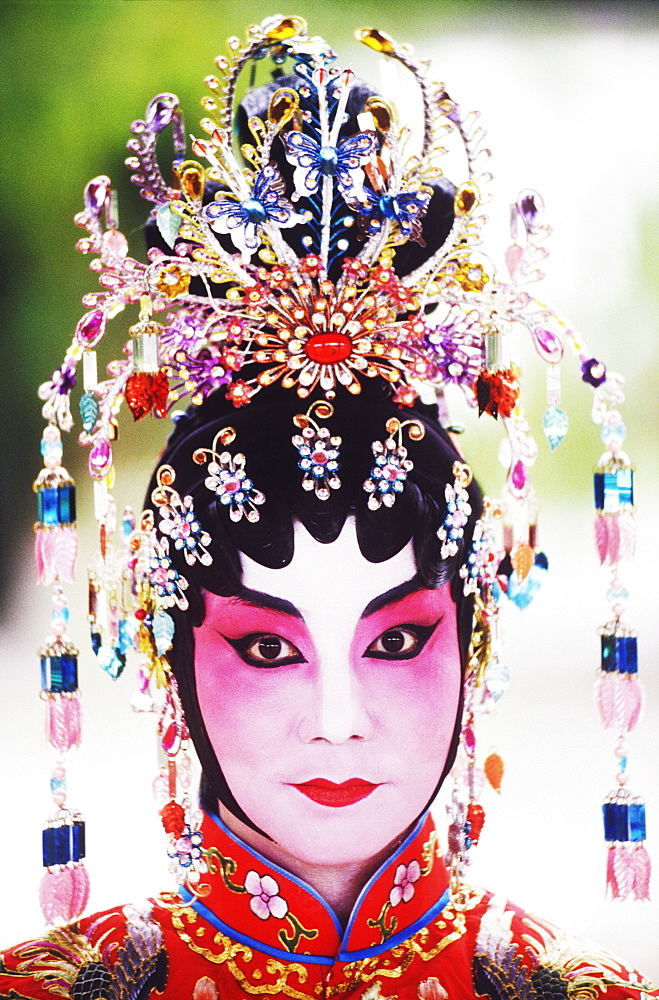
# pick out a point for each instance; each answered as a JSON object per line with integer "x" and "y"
{"x": 257, "y": 599}
{"x": 393, "y": 595}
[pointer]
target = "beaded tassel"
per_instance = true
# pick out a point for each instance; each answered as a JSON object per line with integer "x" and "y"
{"x": 486, "y": 681}
{"x": 64, "y": 888}
{"x": 56, "y": 542}
{"x": 618, "y": 693}
{"x": 172, "y": 790}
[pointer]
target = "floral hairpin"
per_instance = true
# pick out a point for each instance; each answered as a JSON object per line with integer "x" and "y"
{"x": 458, "y": 510}
{"x": 319, "y": 453}
{"x": 392, "y": 466}
{"x": 227, "y": 478}
{"x": 178, "y": 519}
{"x": 165, "y": 582}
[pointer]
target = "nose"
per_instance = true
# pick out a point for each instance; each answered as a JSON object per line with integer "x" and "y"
{"x": 338, "y": 709}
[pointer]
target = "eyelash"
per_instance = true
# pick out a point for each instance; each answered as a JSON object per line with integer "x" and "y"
{"x": 419, "y": 634}
{"x": 242, "y": 647}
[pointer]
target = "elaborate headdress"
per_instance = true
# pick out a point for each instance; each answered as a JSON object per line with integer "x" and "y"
{"x": 323, "y": 257}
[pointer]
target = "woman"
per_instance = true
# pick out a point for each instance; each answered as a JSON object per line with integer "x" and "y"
{"x": 304, "y": 580}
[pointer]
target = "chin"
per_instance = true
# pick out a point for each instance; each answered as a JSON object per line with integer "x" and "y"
{"x": 322, "y": 836}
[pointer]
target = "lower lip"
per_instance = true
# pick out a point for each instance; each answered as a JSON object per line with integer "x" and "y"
{"x": 326, "y": 793}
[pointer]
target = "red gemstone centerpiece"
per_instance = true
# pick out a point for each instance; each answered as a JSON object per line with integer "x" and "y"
{"x": 328, "y": 348}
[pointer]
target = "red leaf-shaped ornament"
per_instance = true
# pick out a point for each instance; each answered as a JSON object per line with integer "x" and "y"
{"x": 476, "y": 817}
{"x": 160, "y": 392}
{"x": 138, "y": 394}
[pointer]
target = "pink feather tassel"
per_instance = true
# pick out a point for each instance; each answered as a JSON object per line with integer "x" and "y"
{"x": 627, "y": 528}
{"x": 623, "y": 874}
{"x": 642, "y": 869}
{"x": 65, "y": 553}
{"x": 628, "y": 870}
{"x": 64, "y": 893}
{"x": 613, "y": 553}
{"x": 619, "y": 699}
{"x": 63, "y": 722}
{"x": 55, "y": 553}
{"x": 602, "y": 537}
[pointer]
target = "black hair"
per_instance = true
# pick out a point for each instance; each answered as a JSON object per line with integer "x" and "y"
{"x": 264, "y": 429}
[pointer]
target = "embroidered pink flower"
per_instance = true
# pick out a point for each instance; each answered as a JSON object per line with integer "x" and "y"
{"x": 406, "y": 876}
{"x": 265, "y": 901}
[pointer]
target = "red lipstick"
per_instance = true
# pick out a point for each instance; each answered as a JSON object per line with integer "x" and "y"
{"x": 328, "y": 793}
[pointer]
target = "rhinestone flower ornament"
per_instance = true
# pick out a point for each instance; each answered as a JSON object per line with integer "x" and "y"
{"x": 392, "y": 466}
{"x": 228, "y": 480}
{"x": 318, "y": 451}
{"x": 178, "y": 520}
{"x": 458, "y": 510}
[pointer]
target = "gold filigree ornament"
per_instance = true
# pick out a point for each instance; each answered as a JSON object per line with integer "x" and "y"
{"x": 586, "y": 971}
{"x": 231, "y": 953}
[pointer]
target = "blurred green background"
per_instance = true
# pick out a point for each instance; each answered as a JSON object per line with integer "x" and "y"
{"x": 569, "y": 94}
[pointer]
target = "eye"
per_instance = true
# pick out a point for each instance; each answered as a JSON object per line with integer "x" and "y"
{"x": 402, "y": 642}
{"x": 264, "y": 649}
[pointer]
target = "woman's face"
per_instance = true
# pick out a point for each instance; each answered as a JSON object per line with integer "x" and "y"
{"x": 329, "y": 690}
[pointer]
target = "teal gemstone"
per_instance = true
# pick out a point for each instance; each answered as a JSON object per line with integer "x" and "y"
{"x": 555, "y": 426}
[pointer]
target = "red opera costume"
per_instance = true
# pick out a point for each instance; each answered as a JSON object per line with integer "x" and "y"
{"x": 405, "y": 939}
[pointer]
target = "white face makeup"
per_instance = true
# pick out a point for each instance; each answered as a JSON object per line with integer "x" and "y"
{"x": 329, "y": 691}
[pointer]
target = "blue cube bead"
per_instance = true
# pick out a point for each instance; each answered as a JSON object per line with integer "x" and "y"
{"x": 56, "y": 844}
{"x": 615, "y": 821}
{"x": 47, "y": 506}
{"x": 637, "y": 822}
{"x": 619, "y": 652}
{"x": 78, "y": 840}
{"x": 608, "y": 660}
{"x": 48, "y": 847}
{"x": 66, "y": 504}
{"x": 59, "y": 673}
{"x": 63, "y": 844}
{"x": 614, "y": 491}
{"x": 627, "y": 654}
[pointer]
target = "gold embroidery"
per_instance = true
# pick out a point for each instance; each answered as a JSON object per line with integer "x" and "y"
{"x": 431, "y": 850}
{"x": 386, "y": 930}
{"x": 56, "y": 960}
{"x": 404, "y": 954}
{"x": 232, "y": 950}
{"x": 291, "y": 941}
{"x": 586, "y": 971}
{"x": 226, "y": 865}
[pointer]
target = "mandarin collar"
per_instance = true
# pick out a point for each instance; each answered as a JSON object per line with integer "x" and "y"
{"x": 254, "y": 901}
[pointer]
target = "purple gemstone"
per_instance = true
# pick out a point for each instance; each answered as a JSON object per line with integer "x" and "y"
{"x": 161, "y": 111}
{"x": 548, "y": 344}
{"x": 593, "y": 372}
{"x": 91, "y": 328}
{"x": 100, "y": 457}
{"x": 518, "y": 477}
{"x": 67, "y": 380}
{"x": 531, "y": 208}
{"x": 96, "y": 194}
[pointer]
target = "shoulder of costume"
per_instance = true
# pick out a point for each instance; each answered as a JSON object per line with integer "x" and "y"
{"x": 97, "y": 956}
{"x": 515, "y": 950}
